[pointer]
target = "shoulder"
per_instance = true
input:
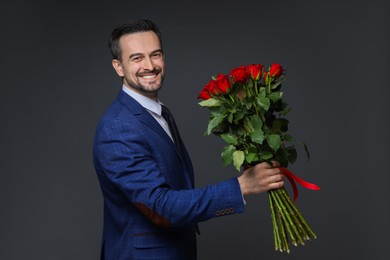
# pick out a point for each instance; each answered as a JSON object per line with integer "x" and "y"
{"x": 116, "y": 119}
{"x": 119, "y": 115}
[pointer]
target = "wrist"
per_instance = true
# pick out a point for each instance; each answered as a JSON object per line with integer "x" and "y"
{"x": 243, "y": 186}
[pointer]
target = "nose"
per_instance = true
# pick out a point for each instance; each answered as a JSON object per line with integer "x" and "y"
{"x": 148, "y": 64}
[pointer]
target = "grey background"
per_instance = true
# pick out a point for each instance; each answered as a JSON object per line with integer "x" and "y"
{"x": 56, "y": 81}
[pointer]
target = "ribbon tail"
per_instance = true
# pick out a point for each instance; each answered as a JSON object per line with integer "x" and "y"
{"x": 304, "y": 183}
{"x": 293, "y": 185}
{"x": 292, "y": 178}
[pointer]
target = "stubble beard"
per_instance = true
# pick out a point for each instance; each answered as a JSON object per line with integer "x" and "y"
{"x": 148, "y": 90}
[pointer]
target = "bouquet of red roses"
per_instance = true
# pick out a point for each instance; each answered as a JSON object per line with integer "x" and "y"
{"x": 247, "y": 112}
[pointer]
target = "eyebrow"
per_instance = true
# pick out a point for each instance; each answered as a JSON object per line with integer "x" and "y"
{"x": 141, "y": 54}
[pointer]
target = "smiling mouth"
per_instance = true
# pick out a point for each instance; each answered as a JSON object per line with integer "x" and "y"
{"x": 149, "y": 76}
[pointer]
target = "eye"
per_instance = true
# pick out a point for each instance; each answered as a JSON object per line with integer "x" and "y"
{"x": 136, "y": 58}
{"x": 157, "y": 55}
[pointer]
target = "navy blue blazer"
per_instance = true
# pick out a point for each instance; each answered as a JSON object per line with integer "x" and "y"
{"x": 151, "y": 208}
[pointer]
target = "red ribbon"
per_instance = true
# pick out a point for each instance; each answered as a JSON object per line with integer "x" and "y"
{"x": 292, "y": 178}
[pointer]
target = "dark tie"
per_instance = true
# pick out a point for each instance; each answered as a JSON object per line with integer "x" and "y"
{"x": 173, "y": 128}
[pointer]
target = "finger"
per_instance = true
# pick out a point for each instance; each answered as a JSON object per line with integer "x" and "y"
{"x": 277, "y": 177}
{"x": 274, "y": 171}
{"x": 275, "y": 163}
{"x": 276, "y": 185}
{"x": 273, "y": 178}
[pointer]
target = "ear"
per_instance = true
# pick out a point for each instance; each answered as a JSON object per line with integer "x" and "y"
{"x": 117, "y": 65}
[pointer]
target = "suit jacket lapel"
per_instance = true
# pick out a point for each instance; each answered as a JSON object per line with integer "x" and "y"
{"x": 146, "y": 118}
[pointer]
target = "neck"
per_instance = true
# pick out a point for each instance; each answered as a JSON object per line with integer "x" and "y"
{"x": 151, "y": 95}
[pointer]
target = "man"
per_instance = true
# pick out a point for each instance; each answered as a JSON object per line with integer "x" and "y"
{"x": 151, "y": 208}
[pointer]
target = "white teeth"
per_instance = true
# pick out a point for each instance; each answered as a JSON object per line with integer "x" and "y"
{"x": 148, "y": 76}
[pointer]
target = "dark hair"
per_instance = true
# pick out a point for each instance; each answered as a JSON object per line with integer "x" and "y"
{"x": 131, "y": 26}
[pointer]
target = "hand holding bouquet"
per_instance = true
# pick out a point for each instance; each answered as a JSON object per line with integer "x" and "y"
{"x": 247, "y": 112}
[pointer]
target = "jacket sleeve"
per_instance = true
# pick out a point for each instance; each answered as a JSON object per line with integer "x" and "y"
{"x": 125, "y": 156}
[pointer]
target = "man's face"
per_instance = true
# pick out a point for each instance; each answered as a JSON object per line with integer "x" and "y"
{"x": 142, "y": 65}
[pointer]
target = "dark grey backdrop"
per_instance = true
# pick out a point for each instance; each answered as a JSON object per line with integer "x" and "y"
{"x": 56, "y": 81}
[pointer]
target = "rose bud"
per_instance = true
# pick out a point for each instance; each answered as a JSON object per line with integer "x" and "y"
{"x": 239, "y": 74}
{"x": 255, "y": 71}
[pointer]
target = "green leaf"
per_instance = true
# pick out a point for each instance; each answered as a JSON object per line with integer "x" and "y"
{"x": 215, "y": 111}
{"x": 227, "y": 154}
{"x": 288, "y": 138}
{"x": 238, "y": 159}
{"x": 280, "y": 125}
{"x": 262, "y": 92}
{"x": 247, "y": 124}
{"x": 230, "y": 139}
{"x": 257, "y": 136}
{"x": 256, "y": 121}
{"x": 250, "y": 83}
{"x": 284, "y": 124}
{"x": 285, "y": 111}
{"x": 274, "y": 96}
{"x": 214, "y": 123}
{"x": 230, "y": 118}
{"x": 238, "y": 116}
{"x": 266, "y": 156}
{"x": 275, "y": 85}
{"x": 282, "y": 157}
{"x": 263, "y": 102}
{"x": 230, "y": 111}
{"x": 211, "y": 102}
{"x": 274, "y": 141}
{"x": 251, "y": 157}
{"x": 292, "y": 155}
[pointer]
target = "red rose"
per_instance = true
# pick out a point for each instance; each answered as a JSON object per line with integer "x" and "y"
{"x": 222, "y": 82}
{"x": 204, "y": 94}
{"x": 255, "y": 71}
{"x": 239, "y": 74}
{"x": 211, "y": 88}
{"x": 275, "y": 70}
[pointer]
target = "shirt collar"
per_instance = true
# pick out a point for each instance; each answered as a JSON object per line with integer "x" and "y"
{"x": 149, "y": 104}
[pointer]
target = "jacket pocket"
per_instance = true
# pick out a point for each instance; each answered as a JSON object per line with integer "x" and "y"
{"x": 155, "y": 241}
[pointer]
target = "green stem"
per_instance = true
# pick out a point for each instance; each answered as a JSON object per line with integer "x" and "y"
{"x": 247, "y": 90}
{"x": 269, "y": 86}
{"x": 257, "y": 111}
{"x": 282, "y": 233}
{"x": 275, "y": 229}
{"x": 288, "y": 203}
{"x": 283, "y": 223}
{"x": 248, "y": 129}
{"x": 231, "y": 98}
{"x": 303, "y": 221}
{"x": 256, "y": 90}
{"x": 287, "y": 220}
{"x": 290, "y": 216}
